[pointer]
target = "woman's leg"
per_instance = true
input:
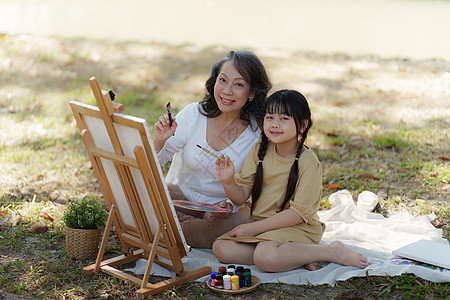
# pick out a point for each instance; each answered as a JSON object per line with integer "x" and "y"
{"x": 270, "y": 256}
{"x": 201, "y": 233}
{"x": 228, "y": 252}
{"x": 201, "y": 229}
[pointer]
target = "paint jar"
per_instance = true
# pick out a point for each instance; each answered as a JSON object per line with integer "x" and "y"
{"x": 231, "y": 269}
{"x": 213, "y": 277}
{"x": 235, "y": 282}
{"x": 227, "y": 282}
{"x": 239, "y": 270}
{"x": 218, "y": 282}
{"x": 247, "y": 279}
{"x": 222, "y": 270}
{"x": 241, "y": 280}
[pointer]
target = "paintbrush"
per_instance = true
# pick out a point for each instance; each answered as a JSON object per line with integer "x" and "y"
{"x": 210, "y": 153}
{"x": 169, "y": 113}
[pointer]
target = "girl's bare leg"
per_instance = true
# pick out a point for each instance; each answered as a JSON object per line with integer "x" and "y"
{"x": 228, "y": 252}
{"x": 270, "y": 256}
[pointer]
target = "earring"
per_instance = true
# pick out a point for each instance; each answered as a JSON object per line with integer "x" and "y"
{"x": 250, "y": 99}
{"x": 299, "y": 137}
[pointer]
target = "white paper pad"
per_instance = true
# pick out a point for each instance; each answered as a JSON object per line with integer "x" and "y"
{"x": 436, "y": 254}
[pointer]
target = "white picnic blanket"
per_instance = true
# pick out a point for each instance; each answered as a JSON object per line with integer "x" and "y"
{"x": 369, "y": 233}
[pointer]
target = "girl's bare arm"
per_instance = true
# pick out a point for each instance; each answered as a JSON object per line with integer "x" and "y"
{"x": 286, "y": 218}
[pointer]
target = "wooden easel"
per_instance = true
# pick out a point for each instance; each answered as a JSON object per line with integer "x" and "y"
{"x": 124, "y": 161}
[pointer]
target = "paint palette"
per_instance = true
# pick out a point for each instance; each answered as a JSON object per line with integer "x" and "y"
{"x": 255, "y": 282}
{"x": 199, "y": 206}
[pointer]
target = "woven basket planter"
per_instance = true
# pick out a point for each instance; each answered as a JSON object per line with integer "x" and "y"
{"x": 82, "y": 243}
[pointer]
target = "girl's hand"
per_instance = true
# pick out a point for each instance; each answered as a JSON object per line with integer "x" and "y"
{"x": 245, "y": 230}
{"x": 225, "y": 168}
{"x": 228, "y": 206}
{"x": 163, "y": 131}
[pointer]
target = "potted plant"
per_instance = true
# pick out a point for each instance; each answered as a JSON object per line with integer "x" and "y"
{"x": 84, "y": 220}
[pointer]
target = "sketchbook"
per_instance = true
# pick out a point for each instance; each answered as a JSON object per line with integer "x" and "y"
{"x": 433, "y": 253}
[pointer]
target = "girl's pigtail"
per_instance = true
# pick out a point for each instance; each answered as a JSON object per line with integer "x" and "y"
{"x": 293, "y": 174}
{"x": 257, "y": 183}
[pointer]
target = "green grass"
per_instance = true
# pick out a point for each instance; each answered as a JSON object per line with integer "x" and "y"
{"x": 376, "y": 127}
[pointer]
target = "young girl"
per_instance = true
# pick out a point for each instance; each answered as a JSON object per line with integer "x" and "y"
{"x": 284, "y": 178}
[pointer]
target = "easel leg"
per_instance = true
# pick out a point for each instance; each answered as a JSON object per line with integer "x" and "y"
{"x": 151, "y": 257}
{"x": 101, "y": 251}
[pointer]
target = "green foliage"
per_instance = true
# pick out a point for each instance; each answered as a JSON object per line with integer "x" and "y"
{"x": 87, "y": 213}
{"x": 390, "y": 142}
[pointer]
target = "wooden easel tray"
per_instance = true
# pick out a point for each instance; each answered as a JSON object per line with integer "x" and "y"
{"x": 255, "y": 282}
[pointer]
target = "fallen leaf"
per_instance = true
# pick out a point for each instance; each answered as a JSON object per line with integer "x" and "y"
{"x": 354, "y": 148}
{"x": 437, "y": 223}
{"x": 46, "y": 216}
{"x": 332, "y": 133}
{"x": 38, "y": 228}
{"x": 444, "y": 158}
{"x": 368, "y": 176}
{"x": 428, "y": 144}
{"x": 332, "y": 187}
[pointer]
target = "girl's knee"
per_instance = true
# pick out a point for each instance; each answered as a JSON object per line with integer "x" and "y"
{"x": 266, "y": 260}
{"x": 219, "y": 249}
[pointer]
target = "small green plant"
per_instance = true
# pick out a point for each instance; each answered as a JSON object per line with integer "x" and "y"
{"x": 87, "y": 213}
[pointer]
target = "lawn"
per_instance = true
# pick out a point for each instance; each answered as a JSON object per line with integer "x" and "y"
{"x": 380, "y": 124}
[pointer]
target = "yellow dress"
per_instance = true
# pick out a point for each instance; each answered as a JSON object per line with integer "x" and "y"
{"x": 305, "y": 201}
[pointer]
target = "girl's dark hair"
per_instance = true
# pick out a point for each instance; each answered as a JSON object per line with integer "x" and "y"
{"x": 295, "y": 105}
{"x": 253, "y": 71}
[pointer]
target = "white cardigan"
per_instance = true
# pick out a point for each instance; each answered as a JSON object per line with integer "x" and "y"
{"x": 192, "y": 169}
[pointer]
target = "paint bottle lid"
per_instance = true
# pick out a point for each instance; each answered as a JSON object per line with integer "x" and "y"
{"x": 239, "y": 270}
{"x": 231, "y": 269}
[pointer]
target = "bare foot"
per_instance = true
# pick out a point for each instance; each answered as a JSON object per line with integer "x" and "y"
{"x": 348, "y": 257}
{"x": 313, "y": 266}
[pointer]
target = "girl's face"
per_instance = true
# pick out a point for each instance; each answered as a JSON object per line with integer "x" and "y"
{"x": 280, "y": 128}
{"x": 231, "y": 91}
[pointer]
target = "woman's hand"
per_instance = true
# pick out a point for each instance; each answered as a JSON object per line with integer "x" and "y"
{"x": 245, "y": 230}
{"x": 225, "y": 168}
{"x": 163, "y": 131}
{"x": 228, "y": 206}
